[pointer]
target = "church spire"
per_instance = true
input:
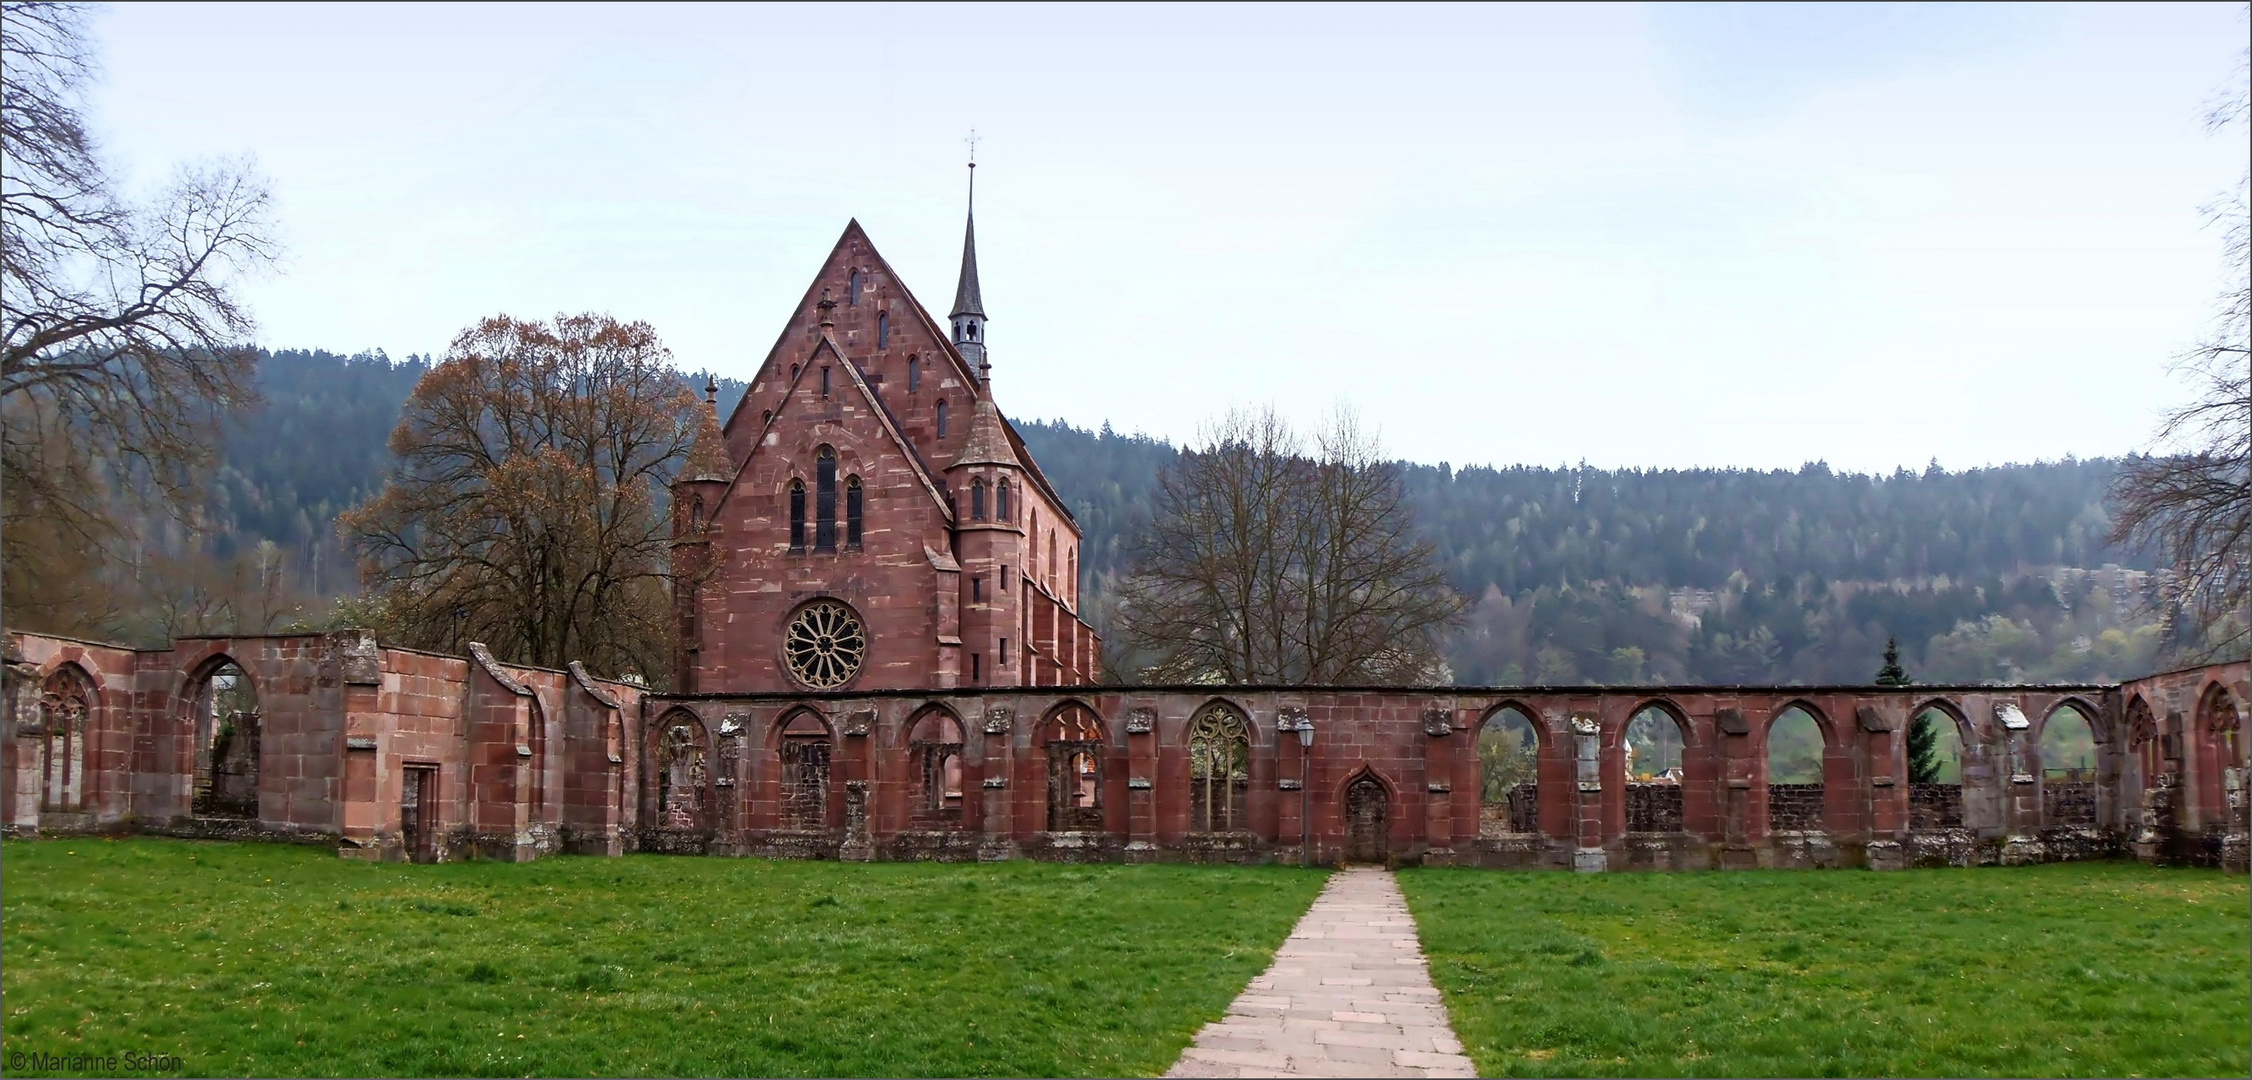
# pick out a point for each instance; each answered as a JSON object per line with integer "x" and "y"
{"x": 969, "y": 304}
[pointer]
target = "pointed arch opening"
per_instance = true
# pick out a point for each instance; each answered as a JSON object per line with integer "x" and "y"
{"x": 227, "y": 726}
{"x": 1073, "y": 736}
{"x": 1652, "y": 755}
{"x": 804, "y": 746}
{"x": 1795, "y": 792}
{"x": 1367, "y": 805}
{"x": 66, "y": 705}
{"x": 2068, "y": 766}
{"x": 682, "y": 753}
{"x": 1935, "y": 766}
{"x": 977, "y": 498}
{"x": 1219, "y": 769}
{"x": 2221, "y": 765}
{"x": 1509, "y": 772}
{"x": 853, "y": 509}
{"x": 934, "y": 750}
{"x": 825, "y": 500}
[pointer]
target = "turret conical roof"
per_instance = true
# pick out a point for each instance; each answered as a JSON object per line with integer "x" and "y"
{"x": 967, "y": 300}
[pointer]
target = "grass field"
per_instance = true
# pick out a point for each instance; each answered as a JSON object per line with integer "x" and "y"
{"x": 2091, "y": 969}
{"x": 267, "y": 960}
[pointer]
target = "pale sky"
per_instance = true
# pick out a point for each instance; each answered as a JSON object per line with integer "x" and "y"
{"x": 1721, "y": 235}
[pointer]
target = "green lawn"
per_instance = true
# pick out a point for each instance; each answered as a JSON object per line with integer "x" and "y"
{"x": 2091, "y": 969}
{"x": 269, "y": 960}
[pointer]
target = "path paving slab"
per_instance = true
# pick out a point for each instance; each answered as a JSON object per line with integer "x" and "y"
{"x": 1349, "y": 994}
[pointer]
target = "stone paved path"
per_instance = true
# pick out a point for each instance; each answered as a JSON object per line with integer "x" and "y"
{"x": 1349, "y": 995}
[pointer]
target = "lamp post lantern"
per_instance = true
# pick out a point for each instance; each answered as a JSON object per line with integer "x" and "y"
{"x": 1306, "y": 792}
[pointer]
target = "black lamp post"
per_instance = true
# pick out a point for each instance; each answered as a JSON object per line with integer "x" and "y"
{"x": 1306, "y": 792}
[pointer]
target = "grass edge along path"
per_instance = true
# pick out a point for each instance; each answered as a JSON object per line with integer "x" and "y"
{"x": 252, "y": 959}
{"x": 2069, "y": 969}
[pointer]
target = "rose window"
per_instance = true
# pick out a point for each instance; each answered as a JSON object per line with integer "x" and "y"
{"x": 825, "y": 645}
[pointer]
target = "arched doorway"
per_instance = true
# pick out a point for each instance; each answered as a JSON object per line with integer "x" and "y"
{"x": 1367, "y": 812}
{"x": 226, "y": 743}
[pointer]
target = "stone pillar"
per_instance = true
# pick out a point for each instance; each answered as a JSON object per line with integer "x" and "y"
{"x": 2021, "y": 788}
{"x": 1737, "y": 771}
{"x": 1141, "y": 793}
{"x": 1588, "y": 856}
{"x": 857, "y": 847}
{"x": 998, "y": 765}
{"x": 1887, "y": 813}
{"x": 1438, "y": 787}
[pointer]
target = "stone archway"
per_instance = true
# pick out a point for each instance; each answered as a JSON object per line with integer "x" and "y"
{"x": 1367, "y": 817}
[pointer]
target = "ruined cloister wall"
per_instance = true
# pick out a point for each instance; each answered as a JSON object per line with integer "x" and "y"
{"x": 523, "y": 762}
{"x": 340, "y": 722}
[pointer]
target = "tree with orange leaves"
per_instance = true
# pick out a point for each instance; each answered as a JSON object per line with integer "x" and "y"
{"x": 526, "y": 508}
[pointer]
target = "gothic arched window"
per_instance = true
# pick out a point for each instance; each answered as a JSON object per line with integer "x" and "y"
{"x": 1219, "y": 770}
{"x": 914, "y": 374}
{"x": 825, "y": 501}
{"x": 883, "y": 329}
{"x": 942, "y": 419}
{"x": 797, "y": 515}
{"x": 1001, "y": 500}
{"x": 977, "y": 500}
{"x": 852, "y": 295}
{"x": 852, "y": 512}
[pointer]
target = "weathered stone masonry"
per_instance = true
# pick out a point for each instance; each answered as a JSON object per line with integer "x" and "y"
{"x": 523, "y": 762}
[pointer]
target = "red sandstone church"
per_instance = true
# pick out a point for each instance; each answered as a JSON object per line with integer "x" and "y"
{"x": 875, "y": 523}
{"x": 882, "y": 657}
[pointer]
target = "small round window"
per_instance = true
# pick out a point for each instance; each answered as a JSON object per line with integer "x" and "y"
{"x": 825, "y": 645}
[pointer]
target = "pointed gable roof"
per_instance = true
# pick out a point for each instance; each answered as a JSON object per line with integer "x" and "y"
{"x": 967, "y": 298}
{"x": 988, "y": 441}
{"x": 828, "y": 344}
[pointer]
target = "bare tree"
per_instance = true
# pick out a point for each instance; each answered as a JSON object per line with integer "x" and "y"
{"x": 124, "y": 335}
{"x": 1264, "y": 564}
{"x": 2191, "y": 500}
{"x": 525, "y": 509}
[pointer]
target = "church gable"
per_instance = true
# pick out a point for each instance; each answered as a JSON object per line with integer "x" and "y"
{"x": 830, "y": 505}
{"x": 859, "y": 303}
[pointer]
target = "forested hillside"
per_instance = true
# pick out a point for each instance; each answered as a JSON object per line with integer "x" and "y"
{"x": 1712, "y": 575}
{"x": 1574, "y": 574}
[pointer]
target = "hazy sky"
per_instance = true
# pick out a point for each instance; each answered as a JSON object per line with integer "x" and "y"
{"x": 1716, "y": 235}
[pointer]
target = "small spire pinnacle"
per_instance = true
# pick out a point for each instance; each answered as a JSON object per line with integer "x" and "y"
{"x": 969, "y": 301}
{"x": 711, "y": 390}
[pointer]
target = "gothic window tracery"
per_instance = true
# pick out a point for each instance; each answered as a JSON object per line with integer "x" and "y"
{"x": 1001, "y": 500}
{"x": 1219, "y": 770}
{"x": 65, "y": 702}
{"x": 825, "y": 644}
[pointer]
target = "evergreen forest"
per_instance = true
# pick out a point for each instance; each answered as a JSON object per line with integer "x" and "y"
{"x": 1573, "y": 575}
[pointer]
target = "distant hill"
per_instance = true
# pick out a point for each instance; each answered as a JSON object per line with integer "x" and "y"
{"x": 1714, "y": 575}
{"x": 1575, "y": 575}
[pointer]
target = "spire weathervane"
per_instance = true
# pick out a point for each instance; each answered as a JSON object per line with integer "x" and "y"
{"x": 969, "y": 306}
